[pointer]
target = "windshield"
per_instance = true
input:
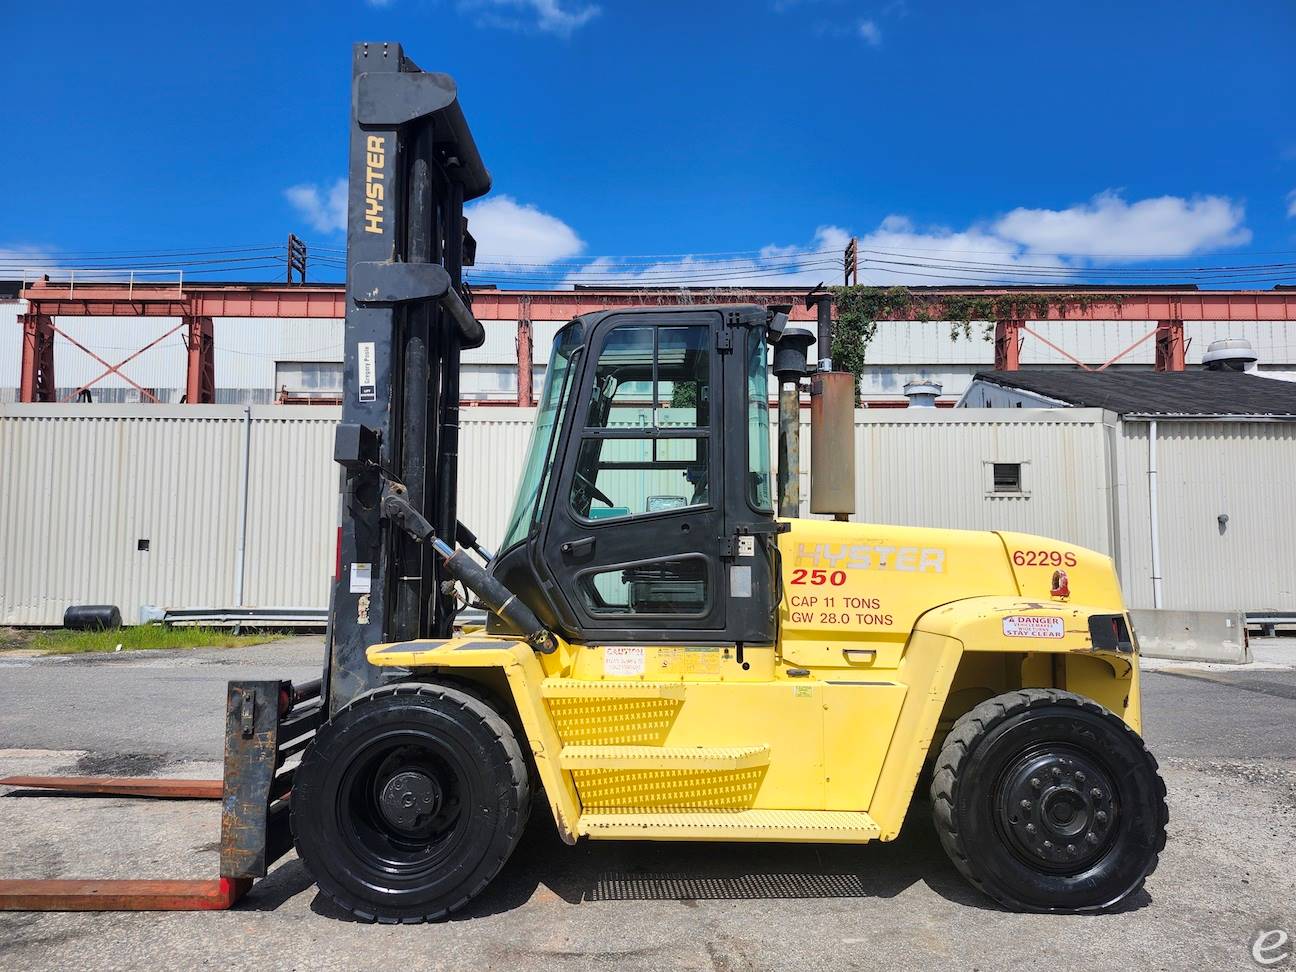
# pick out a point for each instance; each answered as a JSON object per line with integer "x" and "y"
{"x": 539, "y": 453}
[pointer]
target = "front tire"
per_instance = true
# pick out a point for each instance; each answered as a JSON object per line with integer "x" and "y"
{"x": 409, "y": 801}
{"x": 1047, "y": 801}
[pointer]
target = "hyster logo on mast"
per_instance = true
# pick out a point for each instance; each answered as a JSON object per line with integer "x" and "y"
{"x": 375, "y": 159}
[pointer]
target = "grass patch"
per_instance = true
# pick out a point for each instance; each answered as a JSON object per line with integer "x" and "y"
{"x": 61, "y": 642}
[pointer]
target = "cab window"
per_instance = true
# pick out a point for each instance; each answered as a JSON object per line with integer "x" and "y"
{"x": 646, "y": 443}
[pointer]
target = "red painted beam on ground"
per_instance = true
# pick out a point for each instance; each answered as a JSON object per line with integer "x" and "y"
{"x": 215, "y": 894}
{"x": 120, "y": 786}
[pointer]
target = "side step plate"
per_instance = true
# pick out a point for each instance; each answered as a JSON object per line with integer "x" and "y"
{"x": 664, "y": 757}
{"x": 809, "y": 826}
{"x": 580, "y": 688}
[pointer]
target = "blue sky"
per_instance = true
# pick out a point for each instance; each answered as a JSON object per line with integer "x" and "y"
{"x": 1049, "y": 141}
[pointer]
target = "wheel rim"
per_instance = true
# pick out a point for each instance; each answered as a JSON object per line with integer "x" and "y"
{"x": 402, "y": 806}
{"x": 1058, "y": 809}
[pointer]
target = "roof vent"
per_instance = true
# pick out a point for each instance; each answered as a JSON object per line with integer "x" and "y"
{"x": 1229, "y": 354}
{"x": 922, "y": 392}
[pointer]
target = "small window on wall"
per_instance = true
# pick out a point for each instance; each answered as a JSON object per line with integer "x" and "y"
{"x": 1006, "y": 479}
{"x": 677, "y": 586}
{"x": 308, "y": 381}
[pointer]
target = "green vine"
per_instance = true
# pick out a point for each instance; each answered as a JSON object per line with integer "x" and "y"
{"x": 859, "y": 309}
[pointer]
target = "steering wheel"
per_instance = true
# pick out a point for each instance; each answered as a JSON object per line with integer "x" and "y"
{"x": 591, "y": 490}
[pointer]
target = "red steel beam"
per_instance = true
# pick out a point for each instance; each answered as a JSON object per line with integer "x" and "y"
{"x": 1007, "y": 345}
{"x": 1170, "y": 347}
{"x": 525, "y": 349}
{"x": 172, "y": 789}
{"x": 36, "y": 383}
{"x": 200, "y": 373}
{"x": 324, "y": 301}
{"x": 215, "y": 894}
{"x": 1151, "y": 305}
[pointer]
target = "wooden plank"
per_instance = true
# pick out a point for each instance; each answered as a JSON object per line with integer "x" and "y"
{"x": 121, "y": 786}
{"x": 215, "y": 894}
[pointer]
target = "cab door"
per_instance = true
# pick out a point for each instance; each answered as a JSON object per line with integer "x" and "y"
{"x": 637, "y": 514}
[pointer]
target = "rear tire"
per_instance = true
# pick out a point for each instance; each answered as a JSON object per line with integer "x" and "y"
{"x": 409, "y": 801}
{"x": 1046, "y": 801}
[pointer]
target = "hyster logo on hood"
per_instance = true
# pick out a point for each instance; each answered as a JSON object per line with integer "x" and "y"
{"x": 864, "y": 556}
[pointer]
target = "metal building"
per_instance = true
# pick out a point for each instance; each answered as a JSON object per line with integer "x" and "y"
{"x": 217, "y": 506}
{"x": 277, "y": 343}
{"x": 1199, "y": 464}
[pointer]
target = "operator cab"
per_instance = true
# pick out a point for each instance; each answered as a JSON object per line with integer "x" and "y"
{"x": 645, "y": 506}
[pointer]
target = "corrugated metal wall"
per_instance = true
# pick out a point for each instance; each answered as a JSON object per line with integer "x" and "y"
{"x": 1204, "y": 469}
{"x": 81, "y": 485}
{"x": 923, "y": 467}
{"x": 84, "y": 486}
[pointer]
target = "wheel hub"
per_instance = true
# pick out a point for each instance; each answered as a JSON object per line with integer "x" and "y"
{"x": 1058, "y": 810}
{"x": 409, "y": 800}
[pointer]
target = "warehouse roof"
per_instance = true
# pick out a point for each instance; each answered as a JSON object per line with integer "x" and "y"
{"x": 1156, "y": 393}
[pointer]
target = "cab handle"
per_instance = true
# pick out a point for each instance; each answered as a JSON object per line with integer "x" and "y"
{"x": 577, "y": 548}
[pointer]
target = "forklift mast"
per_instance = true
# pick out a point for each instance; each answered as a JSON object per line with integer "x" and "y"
{"x": 413, "y": 164}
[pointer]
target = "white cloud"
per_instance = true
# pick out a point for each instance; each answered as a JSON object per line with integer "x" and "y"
{"x": 558, "y": 17}
{"x": 17, "y": 257}
{"x": 1108, "y": 226}
{"x": 1291, "y": 204}
{"x": 509, "y": 231}
{"x": 324, "y": 208}
{"x": 1026, "y": 245}
{"x": 870, "y": 33}
{"x": 774, "y": 265}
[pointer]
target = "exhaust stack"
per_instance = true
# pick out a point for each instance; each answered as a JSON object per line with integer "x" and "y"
{"x": 832, "y": 426}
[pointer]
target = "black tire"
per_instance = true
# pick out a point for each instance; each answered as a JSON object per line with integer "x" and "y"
{"x": 1046, "y": 801}
{"x": 409, "y": 801}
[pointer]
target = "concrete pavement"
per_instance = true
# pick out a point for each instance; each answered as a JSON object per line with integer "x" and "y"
{"x": 1225, "y": 745}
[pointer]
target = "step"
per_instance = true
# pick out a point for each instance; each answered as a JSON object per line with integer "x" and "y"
{"x": 581, "y": 688}
{"x": 664, "y": 757}
{"x": 810, "y": 826}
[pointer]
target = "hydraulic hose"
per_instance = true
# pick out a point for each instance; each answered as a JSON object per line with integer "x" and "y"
{"x": 497, "y": 598}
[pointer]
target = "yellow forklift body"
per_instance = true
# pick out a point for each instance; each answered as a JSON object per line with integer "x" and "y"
{"x": 887, "y": 634}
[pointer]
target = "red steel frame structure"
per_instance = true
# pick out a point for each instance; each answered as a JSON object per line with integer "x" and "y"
{"x": 198, "y": 305}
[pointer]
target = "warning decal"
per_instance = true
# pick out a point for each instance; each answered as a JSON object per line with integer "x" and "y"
{"x": 623, "y": 660}
{"x": 367, "y": 372}
{"x": 1030, "y": 626}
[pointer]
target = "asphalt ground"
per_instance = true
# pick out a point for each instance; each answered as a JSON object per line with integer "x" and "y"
{"x": 1225, "y": 739}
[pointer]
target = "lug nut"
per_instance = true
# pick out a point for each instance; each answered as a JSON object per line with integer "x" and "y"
{"x": 1036, "y": 782}
{"x": 1025, "y": 804}
{"x": 1057, "y": 773}
{"x": 1091, "y": 837}
{"x": 1096, "y": 793}
{"x": 1080, "y": 777}
{"x": 1030, "y": 828}
{"x": 1070, "y": 848}
{"x": 1048, "y": 844}
{"x": 1101, "y": 816}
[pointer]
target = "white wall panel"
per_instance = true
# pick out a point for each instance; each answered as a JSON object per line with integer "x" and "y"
{"x": 81, "y": 485}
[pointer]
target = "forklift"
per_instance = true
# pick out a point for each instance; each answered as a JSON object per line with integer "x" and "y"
{"x": 665, "y": 657}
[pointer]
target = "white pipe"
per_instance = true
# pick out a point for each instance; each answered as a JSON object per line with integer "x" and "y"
{"x": 1154, "y": 514}
{"x": 244, "y": 476}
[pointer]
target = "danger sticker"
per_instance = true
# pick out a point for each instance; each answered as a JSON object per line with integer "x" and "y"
{"x": 623, "y": 660}
{"x": 1030, "y": 626}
